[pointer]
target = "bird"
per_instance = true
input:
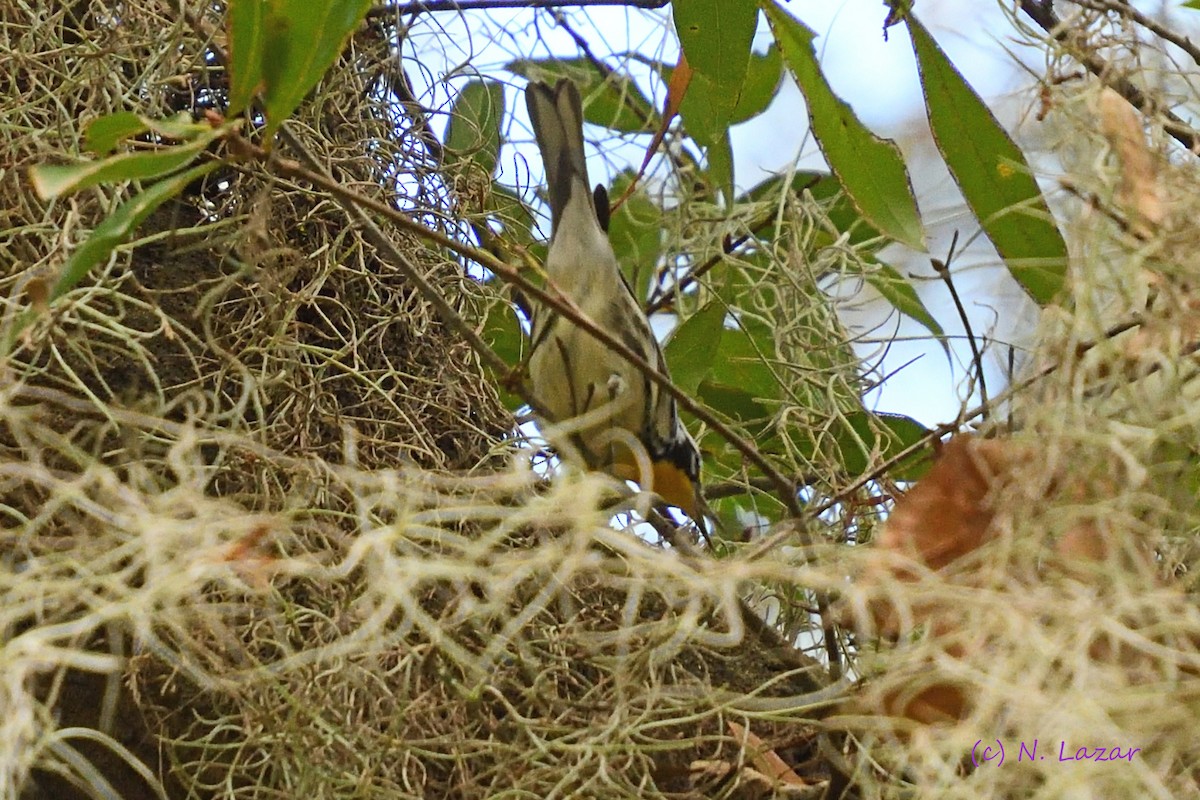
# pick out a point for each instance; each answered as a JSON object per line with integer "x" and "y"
{"x": 622, "y": 422}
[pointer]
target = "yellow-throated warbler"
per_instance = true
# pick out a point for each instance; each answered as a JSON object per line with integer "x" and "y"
{"x": 613, "y": 410}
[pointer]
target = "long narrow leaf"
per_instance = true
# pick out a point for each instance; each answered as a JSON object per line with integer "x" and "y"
{"x": 870, "y": 169}
{"x": 302, "y": 40}
{"x": 247, "y": 22}
{"x": 991, "y": 171}
{"x": 53, "y": 180}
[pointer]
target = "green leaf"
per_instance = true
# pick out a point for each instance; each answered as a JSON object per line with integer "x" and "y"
{"x": 474, "y": 130}
{"x": 301, "y": 40}
{"x": 120, "y": 225}
{"x": 992, "y": 173}
{"x": 742, "y": 360}
{"x": 701, "y": 112}
{"x": 904, "y": 298}
{"x": 716, "y": 36}
{"x": 733, "y": 403}
{"x": 1192, "y": 4}
{"x": 740, "y": 385}
{"x": 763, "y": 77}
{"x": 277, "y": 46}
{"x": 502, "y": 331}
{"x": 247, "y": 26}
{"x": 693, "y": 346}
{"x": 720, "y": 165}
{"x": 611, "y": 99}
{"x": 52, "y": 180}
{"x": 867, "y": 439}
{"x": 870, "y": 169}
{"x": 635, "y": 232}
{"x": 504, "y": 206}
{"x": 104, "y": 134}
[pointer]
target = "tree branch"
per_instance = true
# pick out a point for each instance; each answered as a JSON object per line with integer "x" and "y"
{"x": 421, "y": 6}
{"x": 1149, "y": 23}
{"x": 1074, "y": 40}
{"x": 942, "y": 268}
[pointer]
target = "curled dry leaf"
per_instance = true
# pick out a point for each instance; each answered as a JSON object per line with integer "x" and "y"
{"x": 939, "y": 702}
{"x": 950, "y": 514}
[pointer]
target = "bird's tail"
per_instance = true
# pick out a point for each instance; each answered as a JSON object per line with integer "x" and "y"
{"x": 557, "y": 117}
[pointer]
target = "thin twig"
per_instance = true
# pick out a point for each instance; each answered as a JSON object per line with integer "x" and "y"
{"x": 1093, "y": 201}
{"x": 942, "y": 268}
{"x": 727, "y": 248}
{"x": 724, "y": 489}
{"x": 585, "y": 47}
{"x": 401, "y": 88}
{"x": 673, "y": 291}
